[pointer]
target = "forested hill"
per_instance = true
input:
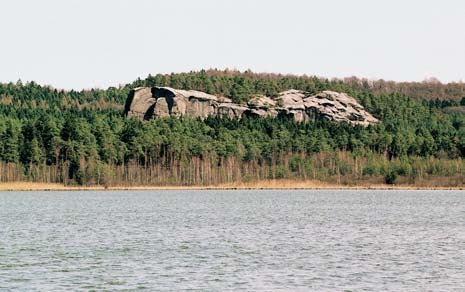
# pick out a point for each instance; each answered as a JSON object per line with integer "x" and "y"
{"x": 233, "y": 84}
{"x": 82, "y": 137}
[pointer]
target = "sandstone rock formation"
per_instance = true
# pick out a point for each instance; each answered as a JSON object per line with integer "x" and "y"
{"x": 140, "y": 103}
{"x": 147, "y": 103}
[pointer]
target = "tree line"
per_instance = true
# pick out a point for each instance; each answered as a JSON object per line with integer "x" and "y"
{"x": 81, "y": 137}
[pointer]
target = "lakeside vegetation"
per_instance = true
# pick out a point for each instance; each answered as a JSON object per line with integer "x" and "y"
{"x": 82, "y": 138}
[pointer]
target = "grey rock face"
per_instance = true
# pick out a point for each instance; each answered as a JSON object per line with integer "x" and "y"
{"x": 161, "y": 108}
{"x": 338, "y": 107}
{"x": 140, "y": 103}
{"x": 262, "y": 102}
{"x": 155, "y": 102}
{"x": 231, "y": 110}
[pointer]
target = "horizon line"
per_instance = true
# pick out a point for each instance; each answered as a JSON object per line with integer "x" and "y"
{"x": 426, "y": 80}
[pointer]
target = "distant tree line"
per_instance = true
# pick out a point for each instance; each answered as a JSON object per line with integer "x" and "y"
{"x": 81, "y": 137}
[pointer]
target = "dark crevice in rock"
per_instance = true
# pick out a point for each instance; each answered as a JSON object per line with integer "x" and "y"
{"x": 149, "y": 113}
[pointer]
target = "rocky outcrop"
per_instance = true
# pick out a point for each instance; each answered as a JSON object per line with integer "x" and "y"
{"x": 140, "y": 103}
{"x": 338, "y": 107}
{"x": 147, "y": 103}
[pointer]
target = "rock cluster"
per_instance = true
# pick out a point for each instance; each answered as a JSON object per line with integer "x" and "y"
{"x": 147, "y": 103}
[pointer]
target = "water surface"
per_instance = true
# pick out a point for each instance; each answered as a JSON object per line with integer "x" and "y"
{"x": 233, "y": 240}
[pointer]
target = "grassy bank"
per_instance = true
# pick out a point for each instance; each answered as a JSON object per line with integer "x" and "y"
{"x": 255, "y": 185}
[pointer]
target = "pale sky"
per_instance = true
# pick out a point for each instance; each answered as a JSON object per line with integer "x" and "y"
{"x": 100, "y": 43}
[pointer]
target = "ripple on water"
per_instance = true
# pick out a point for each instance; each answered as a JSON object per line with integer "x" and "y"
{"x": 233, "y": 240}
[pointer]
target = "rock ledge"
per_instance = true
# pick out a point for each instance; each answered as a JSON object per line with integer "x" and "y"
{"x": 154, "y": 102}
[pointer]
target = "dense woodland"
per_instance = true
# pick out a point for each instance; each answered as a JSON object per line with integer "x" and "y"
{"x": 81, "y": 137}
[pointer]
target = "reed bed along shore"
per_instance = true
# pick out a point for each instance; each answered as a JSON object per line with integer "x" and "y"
{"x": 254, "y": 185}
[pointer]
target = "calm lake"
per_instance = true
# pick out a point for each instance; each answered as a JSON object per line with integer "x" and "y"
{"x": 233, "y": 240}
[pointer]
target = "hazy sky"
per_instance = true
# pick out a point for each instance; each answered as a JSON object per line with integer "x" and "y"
{"x": 99, "y": 43}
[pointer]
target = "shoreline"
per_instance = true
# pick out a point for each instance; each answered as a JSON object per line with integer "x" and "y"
{"x": 258, "y": 185}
